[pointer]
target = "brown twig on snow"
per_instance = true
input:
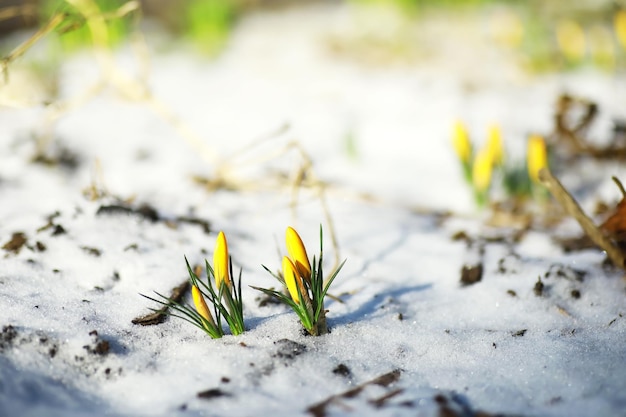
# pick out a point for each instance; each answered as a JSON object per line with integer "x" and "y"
{"x": 573, "y": 132}
{"x": 18, "y": 51}
{"x": 573, "y": 209}
{"x": 319, "y": 409}
{"x": 620, "y": 186}
{"x": 159, "y": 316}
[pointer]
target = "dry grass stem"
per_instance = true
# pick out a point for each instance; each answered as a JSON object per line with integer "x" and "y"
{"x": 21, "y": 49}
{"x": 572, "y": 208}
{"x": 26, "y": 11}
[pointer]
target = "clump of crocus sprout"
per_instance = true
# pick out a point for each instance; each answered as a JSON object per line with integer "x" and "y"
{"x": 305, "y": 284}
{"x": 479, "y": 166}
{"x": 224, "y": 298}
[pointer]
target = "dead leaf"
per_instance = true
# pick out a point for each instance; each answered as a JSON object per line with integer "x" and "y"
{"x": 615, "y": 225}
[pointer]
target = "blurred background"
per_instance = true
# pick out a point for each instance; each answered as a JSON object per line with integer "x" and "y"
{"x": 356, "y": 83}
{"x": 552, "y": 35}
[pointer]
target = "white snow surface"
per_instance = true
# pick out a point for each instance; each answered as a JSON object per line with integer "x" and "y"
{"x": 474, "y": 348}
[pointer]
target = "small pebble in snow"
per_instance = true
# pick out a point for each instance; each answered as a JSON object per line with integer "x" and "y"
{"x": 212, "y": 393}
{"x": 471, "y": 274}
{"x": 342, "y": 370}
{"x": 538, "y": 289}
{"x": 18, "y": 239}
{"x": 519, "y": 333}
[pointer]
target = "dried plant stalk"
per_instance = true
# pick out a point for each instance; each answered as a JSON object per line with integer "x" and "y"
{"x": 573, "y": 209}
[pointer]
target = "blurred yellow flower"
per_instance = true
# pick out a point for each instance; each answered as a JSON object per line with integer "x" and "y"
{"x": 494, "y": 144}
{"x": 220, "y": 261}
{"x": 481, "y": 170}
{"x": 619, "y": 23}
{"x": 201, "y": 306}
{"x": 297, "y": 253}
{"x": 537, "y": 156}
{"x": 570, "y": 37}
{"x": 507, "y": 28}
{"x": 461, "y": 142}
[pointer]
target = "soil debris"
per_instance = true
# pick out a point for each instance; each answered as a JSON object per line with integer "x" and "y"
{"x": 519, "y": 333}
{"x": 149, "y": 213}
{"x": 98, "y": 346}
{"x": 18, "y": 240}
{"x": 538, "y": 288}
{"x": 342, "y": 370}
{"x": 92, "y": 251}
{"x": 144, "y": 211}
{"x": 471, "y": 274}
{"x": 288, "y": 349}
{"x": 205, "y": 225}
{"x": 59, "y": 156}
{"x": 562, "y": 271}
{"x": 9, "y": 333}
{"x": 212, "y": 393}
{"x": 57, "y": 229}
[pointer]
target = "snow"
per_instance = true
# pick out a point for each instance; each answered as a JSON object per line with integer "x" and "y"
{"x": 494, "y": 346}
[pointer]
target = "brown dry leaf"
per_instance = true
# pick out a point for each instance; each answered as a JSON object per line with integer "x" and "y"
{"x": 615, "y": 225}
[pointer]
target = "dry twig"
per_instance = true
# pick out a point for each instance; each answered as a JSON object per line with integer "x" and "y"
{"x": 573, "y": 209}
{"x": 320, "y": 409}
{"x": 159, "y": 316}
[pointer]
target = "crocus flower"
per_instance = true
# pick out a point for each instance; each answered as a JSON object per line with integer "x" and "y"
{"x": 461, "y": 143}
{"x": 220, "y": 261}
{"x": 537, "y": 156}
{"x": 201, "y": 306}
{"x": 494, "y": 144}
{"x": 297, "y": 253}
{"x": 481, "y": 170}
{"x": 571, "y": 39}
{"x": 292, "y": 280}
{"x": 306, "y": 286}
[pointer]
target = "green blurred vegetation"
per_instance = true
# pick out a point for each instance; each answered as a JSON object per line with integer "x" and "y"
{"x": 74, "y": 32}
{"x": 546, "y": 35}
{"x": 207, "y": 23}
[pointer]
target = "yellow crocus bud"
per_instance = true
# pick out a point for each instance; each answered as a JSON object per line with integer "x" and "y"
{"x": 537, "y": 156}
{"x": 220, "y": 261}
{"x": 461, "y": 142}
{"x": 201, "y": 307}
{"x": 292, "y": 279}
{"x": 481, "y": 170}
{"x": 571, "y": 39}
{"x": 494, "y": 144}
{"x": 619, "y": 22}
{"x": 297, "y": 253}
